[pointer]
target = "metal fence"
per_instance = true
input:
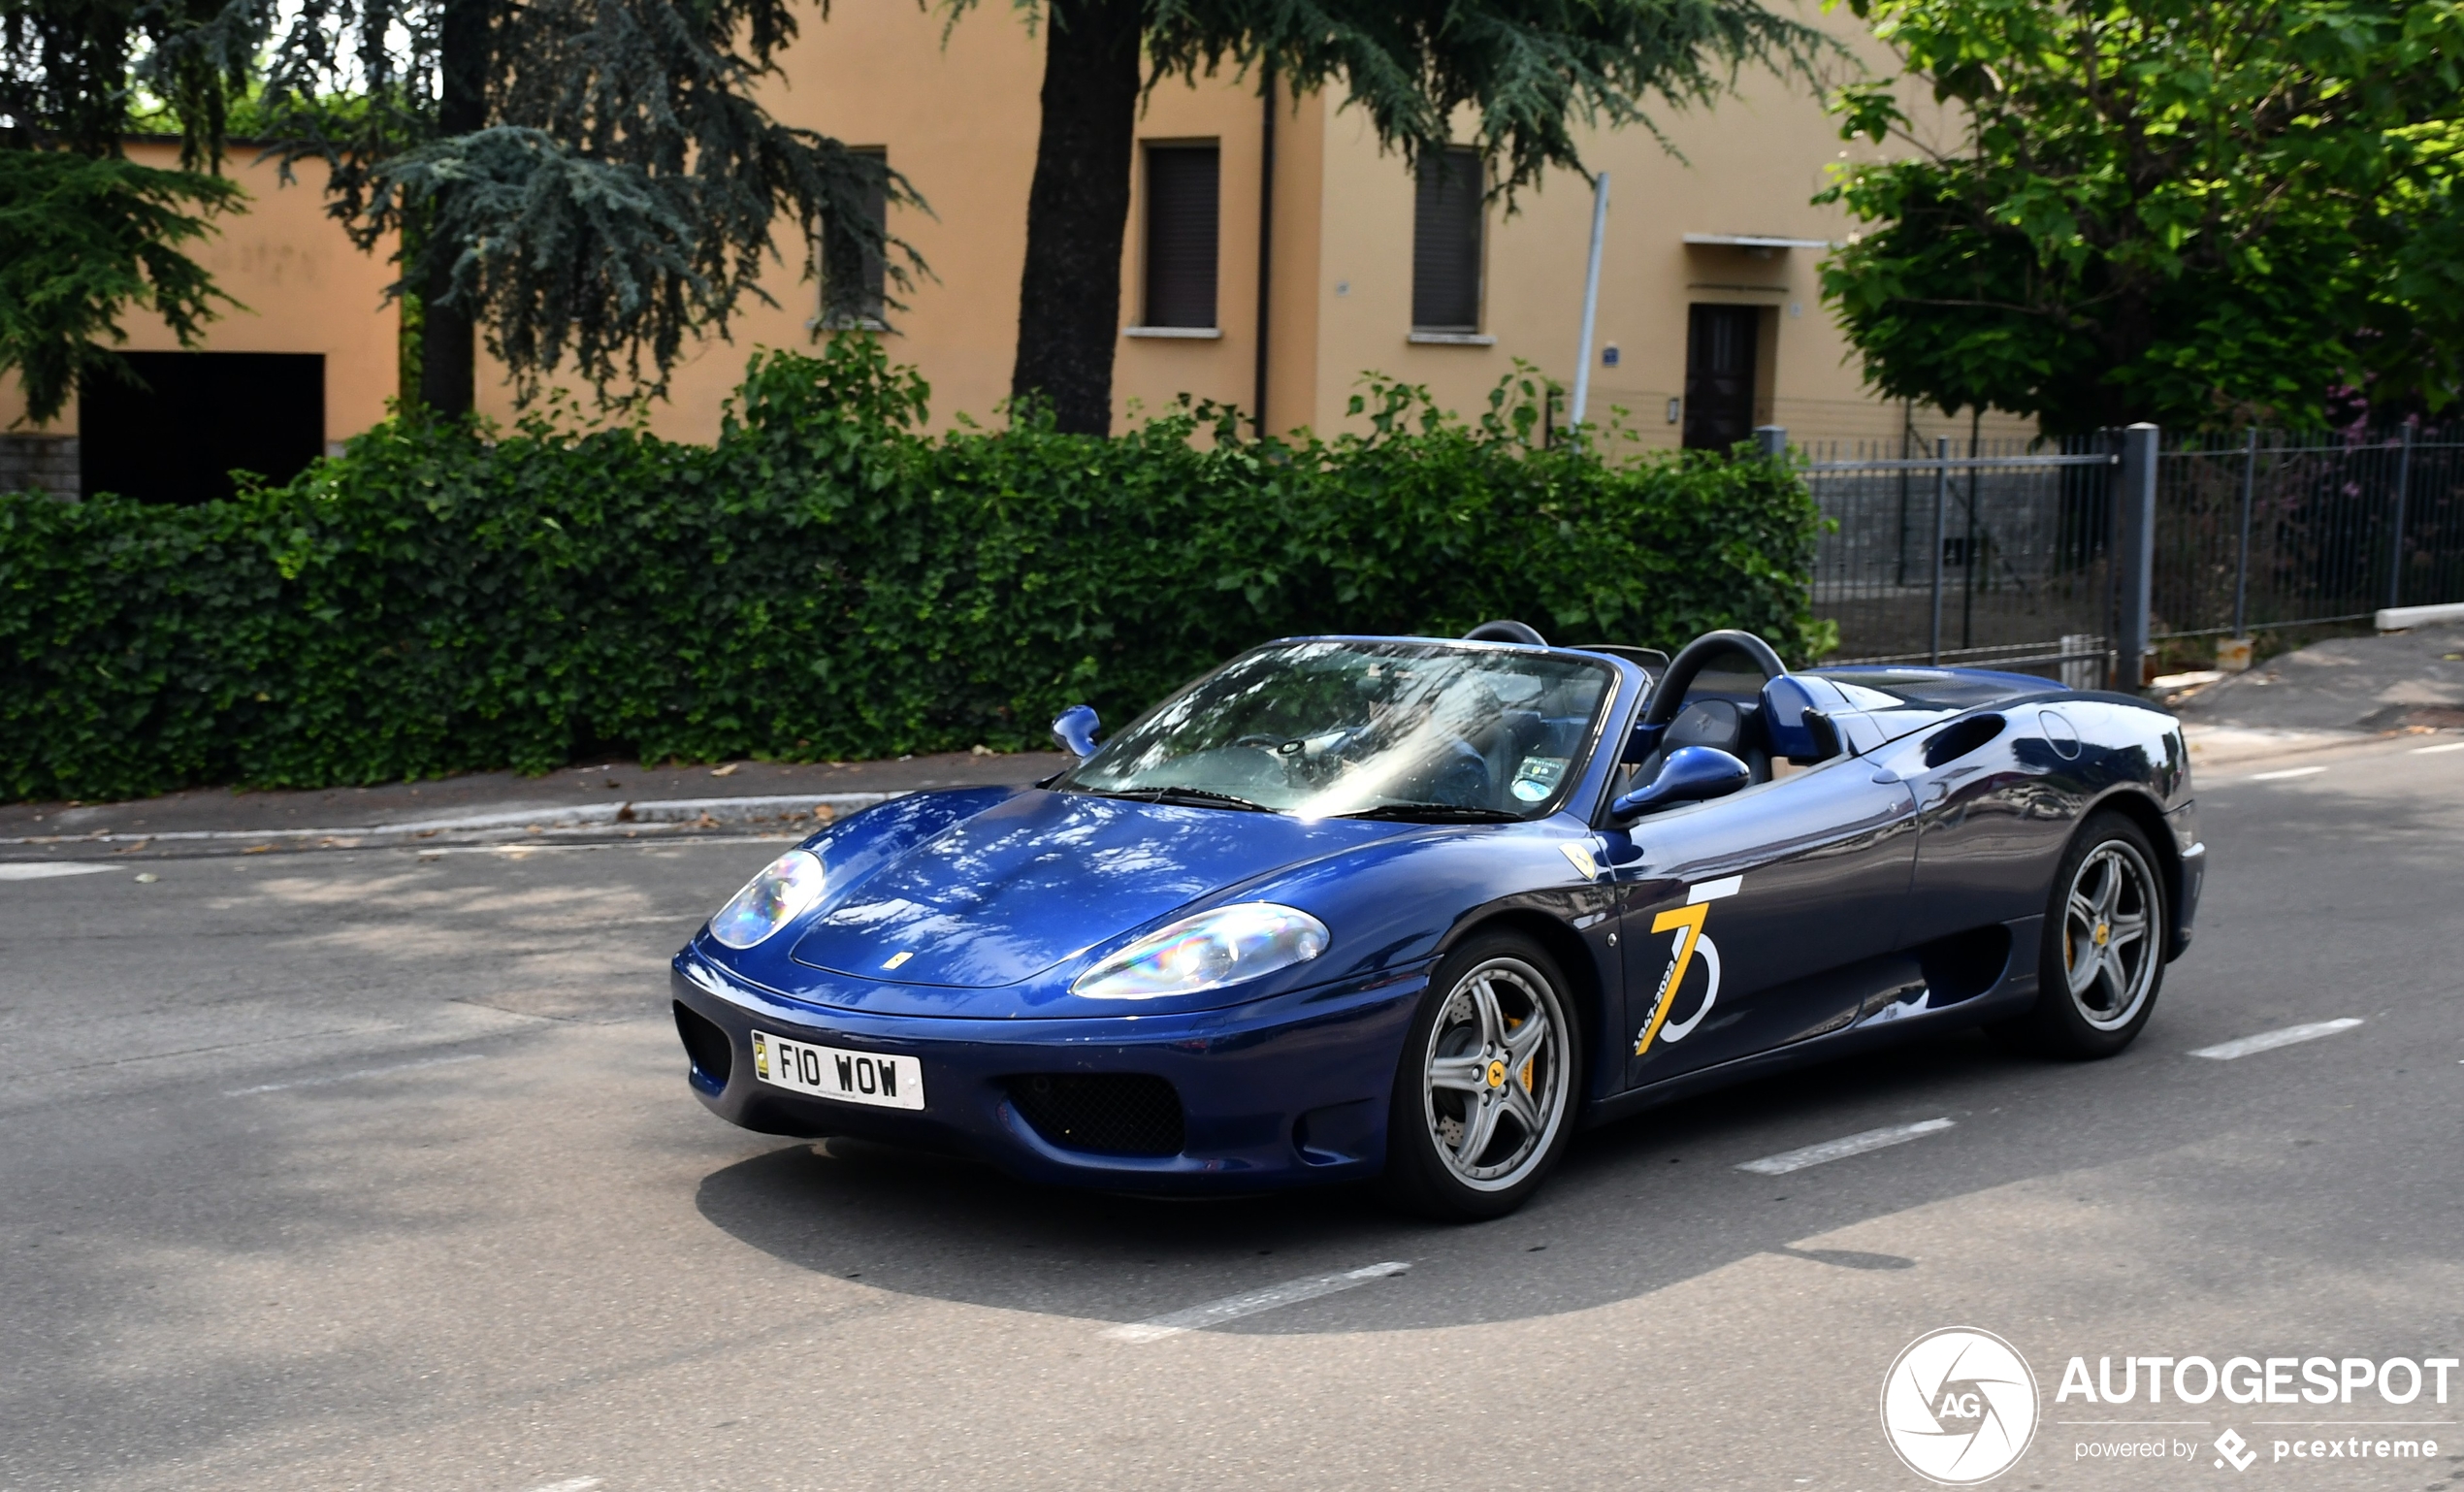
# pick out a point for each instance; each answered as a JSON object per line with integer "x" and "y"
{"x": 2066, "y": 558}
{"x": 2000, "y": 557}
{"x": 2271, "y": 529}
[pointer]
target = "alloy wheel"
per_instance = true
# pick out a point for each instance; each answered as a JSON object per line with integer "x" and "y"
{"x": 1496, "y": 1083}
{"x": 2110, "y": 922}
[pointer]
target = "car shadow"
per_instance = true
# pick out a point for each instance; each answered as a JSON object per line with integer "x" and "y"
{"x": 1636, "y": 1207}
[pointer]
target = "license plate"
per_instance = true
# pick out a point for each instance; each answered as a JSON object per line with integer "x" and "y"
{"x": 829, "y": 1072}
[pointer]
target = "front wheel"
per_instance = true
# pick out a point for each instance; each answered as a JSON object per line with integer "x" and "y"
{"x": 2103, "y": 946}
{"x": 1484, "y": 1096}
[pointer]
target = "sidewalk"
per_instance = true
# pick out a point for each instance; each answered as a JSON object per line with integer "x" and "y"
{"x": 619, "y": 799}
{"x": 2348, "y": 691}
{"x": 2344, "y": 691}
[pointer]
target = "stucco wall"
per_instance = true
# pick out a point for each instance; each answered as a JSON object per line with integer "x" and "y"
{"x": 301, "y": 288}
{"x": 957, "y": 114}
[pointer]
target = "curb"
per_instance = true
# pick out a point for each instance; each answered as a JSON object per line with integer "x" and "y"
{"x": 672, "y": 813}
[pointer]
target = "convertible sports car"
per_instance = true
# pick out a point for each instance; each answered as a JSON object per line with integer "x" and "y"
{"x": 1420, "y": 909}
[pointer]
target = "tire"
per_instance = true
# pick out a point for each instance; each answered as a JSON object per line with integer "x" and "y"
{"x": 1460, "y": 1083}
{"x": 2101, "y": 958}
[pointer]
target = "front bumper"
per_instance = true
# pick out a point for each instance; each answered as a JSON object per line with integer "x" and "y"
{"x": 2190, "y": 860}
{"x": 1281, "y": 1091}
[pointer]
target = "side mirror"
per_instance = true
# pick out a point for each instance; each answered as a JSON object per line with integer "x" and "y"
{"x": 1074, "y": 729}
{"x": 1689, "y": 775}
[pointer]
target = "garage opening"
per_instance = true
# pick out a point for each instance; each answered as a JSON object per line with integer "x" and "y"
{"x": 196, "y": 418}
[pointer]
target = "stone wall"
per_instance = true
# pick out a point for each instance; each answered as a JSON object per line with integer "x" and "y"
{"x": 39, "y": 464}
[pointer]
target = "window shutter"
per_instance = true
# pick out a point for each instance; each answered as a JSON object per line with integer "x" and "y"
{"x": 1181, "y": 235}
{"x": 853, "y": 279}
{"x": 1446, "y": 243}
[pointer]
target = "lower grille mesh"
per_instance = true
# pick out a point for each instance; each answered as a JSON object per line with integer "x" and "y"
{"x": 1107, "y": 1112}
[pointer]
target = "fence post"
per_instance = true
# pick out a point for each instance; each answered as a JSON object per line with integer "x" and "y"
{"x": 1941, "y": 502}
{"x": 2136, "y": 511}
{"x": 2242, "y": 556}
{"x": 2395, "y": 549}
{"x": 1771, "y": 440}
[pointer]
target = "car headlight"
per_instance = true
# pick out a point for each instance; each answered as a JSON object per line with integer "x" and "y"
{"x": 1206, "y": 951}
{"x": 785, "y": 890}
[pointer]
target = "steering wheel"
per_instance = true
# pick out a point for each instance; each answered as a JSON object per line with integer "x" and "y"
{"x": 1668, "y": 698}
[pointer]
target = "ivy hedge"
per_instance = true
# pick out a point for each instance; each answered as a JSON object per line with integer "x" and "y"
{"x": 822, "y": 582}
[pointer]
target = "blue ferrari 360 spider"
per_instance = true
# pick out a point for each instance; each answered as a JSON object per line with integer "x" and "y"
{"x": 1420, "y": 909}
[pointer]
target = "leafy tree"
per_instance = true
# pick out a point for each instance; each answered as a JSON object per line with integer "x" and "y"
{"x": 2165, "y": 209}
{"x": 588, "y": 179}
{"x": 1532, "y": 71}
{"x": 86, "y": 234}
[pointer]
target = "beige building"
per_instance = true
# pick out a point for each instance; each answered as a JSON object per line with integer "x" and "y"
{"x": 1709, "y": 322}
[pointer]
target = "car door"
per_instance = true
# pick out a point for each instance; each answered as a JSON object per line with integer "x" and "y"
{"x": 1756, "y": 920}
{"x": 1996, "y": 795}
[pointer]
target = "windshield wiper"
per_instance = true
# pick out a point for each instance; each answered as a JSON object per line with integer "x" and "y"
{"x": 1202, "y": 797}
{"x": 1436, "y": 813}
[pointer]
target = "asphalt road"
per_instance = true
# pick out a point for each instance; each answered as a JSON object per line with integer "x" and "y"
{"x": 376, "y": 1169}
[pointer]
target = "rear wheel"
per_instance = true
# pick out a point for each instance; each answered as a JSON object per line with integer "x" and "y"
{"x": 1485, "y": 1095}
{"x": 2102, "y": 953}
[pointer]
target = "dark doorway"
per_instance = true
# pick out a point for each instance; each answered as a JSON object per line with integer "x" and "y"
{"x": 1719, "y": 374}
{"x": 198, "y": 415}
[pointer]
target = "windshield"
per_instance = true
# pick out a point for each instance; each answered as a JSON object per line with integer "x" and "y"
{"x": 1402, "y": 729}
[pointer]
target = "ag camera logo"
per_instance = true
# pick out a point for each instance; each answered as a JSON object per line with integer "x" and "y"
{"x": 1958, "y": 1406}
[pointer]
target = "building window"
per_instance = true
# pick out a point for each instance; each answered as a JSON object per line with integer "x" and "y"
{"x": 177, "y": 433}
{"x": 1182, "y": 182}
{"x": 1446, "y": 243}
{"x": 851, "y": 269}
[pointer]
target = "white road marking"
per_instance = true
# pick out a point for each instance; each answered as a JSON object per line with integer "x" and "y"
{"x": 1232, "y": 1308}
{"x": 345, "y": 1076}
{"x": 2290, "y": 772}
{"x": 573, "y": 1485}
{"x": 2432, "y": 751}
{"x": 1844, "y": 1147}
{"x": 2269, "y": 1041}
{"x": 46, "y": 869}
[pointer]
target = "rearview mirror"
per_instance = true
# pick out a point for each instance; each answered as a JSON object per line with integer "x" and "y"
{"x": 1074, "y": 729}
{"x": 1689, "y": 774}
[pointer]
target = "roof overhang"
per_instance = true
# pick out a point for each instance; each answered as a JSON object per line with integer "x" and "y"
{"x": 1751, "y": 241}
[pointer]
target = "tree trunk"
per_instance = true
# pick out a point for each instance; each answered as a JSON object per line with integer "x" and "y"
{"x": 447, "y": 348}
{"x": 1069, "y": 300}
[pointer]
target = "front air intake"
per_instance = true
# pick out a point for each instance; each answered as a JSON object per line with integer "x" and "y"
{"x": 713, "y": 1057}
{"x": 1105, "y": 1112}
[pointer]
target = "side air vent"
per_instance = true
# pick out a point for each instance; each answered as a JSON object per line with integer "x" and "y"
{"x": 1961, "y": 737}
{"x": 1107, "y": 1112}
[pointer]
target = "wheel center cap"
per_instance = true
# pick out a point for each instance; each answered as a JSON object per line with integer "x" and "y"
{"x": 1497, "y": 1074}
{"x": 2104, "y": 932}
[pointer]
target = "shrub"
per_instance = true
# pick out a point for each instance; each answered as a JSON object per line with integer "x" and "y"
{"x": 824, "y": 582}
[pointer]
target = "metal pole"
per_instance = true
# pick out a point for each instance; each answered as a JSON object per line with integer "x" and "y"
{"x": 1941, "y": 504}
{"x": 2395, "y": 556}
{"x": 1265, "y": 235}
{"x": 1968, "y": 546}
{"x": 1591, "y": 300}
{"x": 2137, "y": 580}
{"x": 2242, "y": 559}
{"x": 1907, "y": 449}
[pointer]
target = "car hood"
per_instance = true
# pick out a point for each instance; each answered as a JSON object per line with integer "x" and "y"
{"x": 1005, "y": 894}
